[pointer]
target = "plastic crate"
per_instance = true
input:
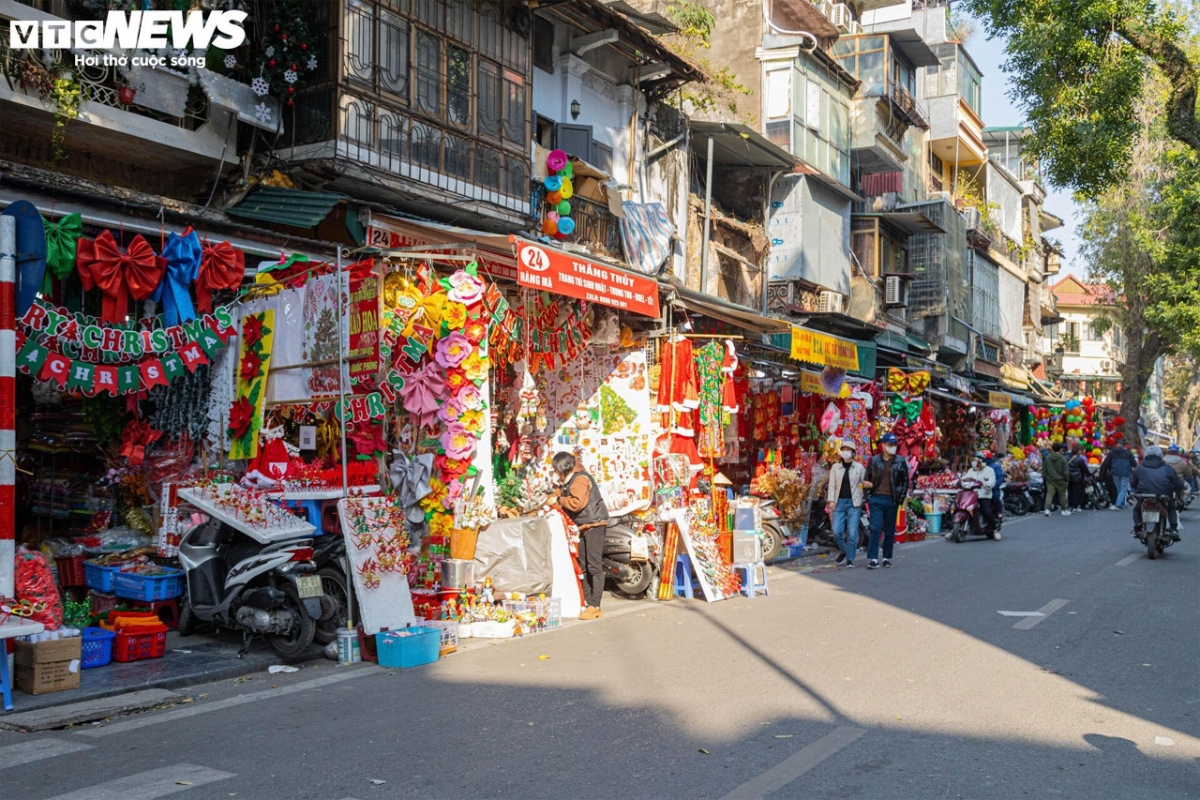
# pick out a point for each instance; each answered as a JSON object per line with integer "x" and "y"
{"x": 99, "y": 577}
{"x": 97, "y": 647}
{"x": 410, "y": 647}
{"x": 71, "y": 571}
{"x": 140, "y": 646}
{"x": 133, "y": 586}
{"x": 103, "y": 603}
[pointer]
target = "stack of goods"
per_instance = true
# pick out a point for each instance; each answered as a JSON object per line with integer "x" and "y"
{"x": 48, "y": 662}
{"x": 140, "y": 635}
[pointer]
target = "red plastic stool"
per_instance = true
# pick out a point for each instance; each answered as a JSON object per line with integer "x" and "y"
{"x": 171, "y": 607}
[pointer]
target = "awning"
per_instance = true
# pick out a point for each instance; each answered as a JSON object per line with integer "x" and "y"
{"x": 261, "y": 112}
{"x": 1022, "y": 400}
{"x": 1014, "y": 377}
{"x": 727, "y": 312}
{"x": 868, "y": 354}
{"x": 956, "y": 398}
{"x": 549, "y": 269}
{"x": 829, "y": 183}
{"x": 910, "y": 43}
{"x": 909, "y": 222}
{"x": 493, "y": 251}
{"x": 279, "y": 206}
{"x": 739, "y": 146}
{"x": 892, "y": 341}
{"x": 918, "y": 344}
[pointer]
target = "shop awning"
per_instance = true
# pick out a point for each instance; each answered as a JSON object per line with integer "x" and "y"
{"x": 824, "y": 350}
{"x": 549, "y": 269}
{"x": 725, "y": 311}
{"x": 493, "y": 251}
{"x": 956, "y": 398}
{"x": 892, "y": 341}
{"x": 279, "y": 206}
{"x": 1014, "y": 377}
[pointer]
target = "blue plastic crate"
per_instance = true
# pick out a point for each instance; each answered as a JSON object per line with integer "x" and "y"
{"x": 409, "y": 647}
{"x": 97, "y": 647}
{"x": 99, "y": 577}
{"x": 132, "y": 586}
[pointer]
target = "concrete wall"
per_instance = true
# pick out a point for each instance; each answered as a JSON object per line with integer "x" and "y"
{"x": 810, "y": 234}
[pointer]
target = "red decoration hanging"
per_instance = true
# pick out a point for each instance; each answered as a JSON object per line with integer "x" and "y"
{"x": 117, "y": 274}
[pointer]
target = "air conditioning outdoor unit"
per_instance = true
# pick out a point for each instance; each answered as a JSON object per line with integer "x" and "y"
{"x": 1106, "y": 365}
{"x": 829, "y": 302}
{"x": 895, "y": 291}
{"x": 974, "y": 220}
{"x": 840, "y": 17}
{"x": 823, "y": 7}
{"x": 855, "y": 27}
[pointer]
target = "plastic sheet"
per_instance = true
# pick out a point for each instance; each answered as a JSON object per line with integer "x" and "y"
{"x": 515, "y": 554}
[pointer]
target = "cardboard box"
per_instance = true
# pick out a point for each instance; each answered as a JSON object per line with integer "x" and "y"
{"x": 47, "y": 667}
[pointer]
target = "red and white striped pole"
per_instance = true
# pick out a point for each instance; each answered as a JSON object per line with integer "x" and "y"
{"x": 8, "y": 401}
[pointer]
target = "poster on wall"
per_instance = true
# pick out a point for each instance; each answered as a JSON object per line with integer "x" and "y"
{"x": 363, "y": 353}
{"x": 320, "y": 349}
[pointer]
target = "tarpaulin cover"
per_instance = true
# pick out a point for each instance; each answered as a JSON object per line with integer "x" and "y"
{"x": 515, "y": 554}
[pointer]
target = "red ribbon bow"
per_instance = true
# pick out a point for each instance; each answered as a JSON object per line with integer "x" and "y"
{"x": 136, "y": 438}
{"x": 117, "y": 274}
{"x": 222, "y": 266}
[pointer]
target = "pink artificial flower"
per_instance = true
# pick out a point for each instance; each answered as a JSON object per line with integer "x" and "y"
{"x": 470, "y": 398}
{"x": 465, "y": 288}
{"x": 454, "y": 490}
{"x": 458, "y": 442}
{"x": 450, "y": 411}
{"x": 453, "y": 350}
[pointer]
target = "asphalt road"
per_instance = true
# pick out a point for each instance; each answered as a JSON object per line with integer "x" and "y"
{"x": 900, "y": 683}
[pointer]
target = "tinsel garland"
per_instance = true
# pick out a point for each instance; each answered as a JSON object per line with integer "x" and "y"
{"x": 220, "y": 399}
{"x": 181, "y": 408}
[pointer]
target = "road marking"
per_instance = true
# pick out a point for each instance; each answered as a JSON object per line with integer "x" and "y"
{"x": 35, "y": 750}
{"x": 150, "y": 785}
{"x": 796, "y": 765}
{"x": 1021, "y": 613}
{"x": 1127, "y": 560}
{"x": 1043, "y": 612}
{"x": 229, "y": 702}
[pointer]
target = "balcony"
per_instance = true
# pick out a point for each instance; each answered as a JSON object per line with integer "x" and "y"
{"x": 907, "y": 106}
{"x": 955, "y": 131}
{"x": 596, "y": 228}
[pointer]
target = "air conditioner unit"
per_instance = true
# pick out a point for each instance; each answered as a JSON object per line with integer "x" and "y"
{"x": 840, "y": 17}
{"x": 829, "y": 302}
{"x": 822, "y": 6}
{"x": 1105, "y": 365}
{"x": 855, "y": 27}
{"x": 974, "y": 220}
{"x": 895, "y": 291}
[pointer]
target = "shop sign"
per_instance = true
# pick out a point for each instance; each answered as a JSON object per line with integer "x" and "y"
{"x": 386, "y": 239}
{"x": 364, "y": 334}
{"x": 999, "y": 400}
{"x": 810, "y": 383}
{"x": 562, "y": 273}
{"x": 813, "y": 347}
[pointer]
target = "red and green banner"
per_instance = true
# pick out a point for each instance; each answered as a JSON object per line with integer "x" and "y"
{"x": 254, "y": 362}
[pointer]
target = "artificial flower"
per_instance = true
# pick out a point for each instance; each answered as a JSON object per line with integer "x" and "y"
{"x": 251, "y": 365}
{"x": 465, "y": 288}
{"x": 252, "y": 329}
{"x": 475, "y": 367}
{"x": 433, "y": 500}
{"x": 241, "y": 414}
{"x": 433, "y": 307}
{"x": 456, "y": 379}
{"x": 450, "y": 468}
{"x": 453, "y": 350}
{"x": 457, "y": 441}
{"x": 450, "y": 411}
{"x": 469, "y": 397}
{"x": 440, "y": 525}
{"x": 454, "y": 492}
{"x": 472, "y": 421}
{"x": 455, "y": 316}
{"x": 475, "y": 330}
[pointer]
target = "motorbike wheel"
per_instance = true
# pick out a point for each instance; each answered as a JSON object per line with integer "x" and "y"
{"x": 1152, "y": 545}
{"x": 638, "y": 586}
{"x": 295, "y": 643}
{"x": 1016, "y": 505}
{"x": 187, "y": 619}
{"x": 958, "y": 533}
{"x": 335, "y": 586}
{"x": 772, "y": 541}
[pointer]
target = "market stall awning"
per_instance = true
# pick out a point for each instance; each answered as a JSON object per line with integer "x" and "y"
{"x": 956, "y": 398}
{"x": 424, "y": 239}
{"x": 549, "y": 269}
{"x": 725, "y": 311}
{"x": 279, "y": 206}
{"x": 868, "y": 354}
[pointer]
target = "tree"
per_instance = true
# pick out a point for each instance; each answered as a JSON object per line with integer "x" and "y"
{"x": 1079, "y": 68}
{"x": 696, "y": 25}
{"x": 1182, "y": 393}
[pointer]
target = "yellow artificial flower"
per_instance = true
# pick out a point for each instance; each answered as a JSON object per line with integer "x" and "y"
{"x": 435, "y": 499}
{"x": 454, "y": 315}
{"x": 475, "y": 367}
{"x": 472, "y": 421}
{"x": 440, "y": 525}
{"x": 434, "y": 308}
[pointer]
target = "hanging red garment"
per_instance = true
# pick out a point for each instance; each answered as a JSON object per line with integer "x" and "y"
{"x": 678, "y": 388}
{"x": 729, "y": 395}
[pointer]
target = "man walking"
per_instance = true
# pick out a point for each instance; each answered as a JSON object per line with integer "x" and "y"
{"x": 1077, "y": 468}
{"x": 887, "y": 480}
{"x": 844, "y": 502}
{"x": 1118, "y": 465}
{"x": 1054, "y": 468}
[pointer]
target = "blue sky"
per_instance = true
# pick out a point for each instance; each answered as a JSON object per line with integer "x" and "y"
{"x": 999, "y": 110}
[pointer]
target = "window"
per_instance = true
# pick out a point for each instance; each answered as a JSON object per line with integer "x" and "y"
{"x": 429, "y": 73}
{"x": 543, "y": 44}
{"x": 544, "y": 132}
{"x": 376, "y": 48}
{"x": 574, "y": 140}
{"x": 1094, "y": 335}
{"x": 864, "y": 58}
{"x": 969, "y": 82}
{"x": 458, "y": 85}
{"x": 602, "y": 157}
{"x": 936, "y": 166}
{"x": 820, "y": 122}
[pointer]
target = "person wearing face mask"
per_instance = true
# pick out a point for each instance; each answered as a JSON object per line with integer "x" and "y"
{"x": 887, "y": 480}
{"x": 985, "y": 476}
{"x": 844, "y": 502}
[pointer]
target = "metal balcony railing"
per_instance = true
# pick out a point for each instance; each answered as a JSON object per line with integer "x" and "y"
{"x": 595, "y": 225}
{"x": 908, "y": 106}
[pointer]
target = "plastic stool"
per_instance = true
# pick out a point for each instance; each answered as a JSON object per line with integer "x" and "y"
{"x": 171, "y": 618}
{"x": 750, "y": 575}
{"x": 683, "y": 578}
{"x": 311, "y": 509}
{"x": 5, "y": 678}
{"x": 330, "y": 521}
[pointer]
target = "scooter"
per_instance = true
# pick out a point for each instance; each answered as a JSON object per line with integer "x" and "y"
{"x": 1156, "y": 513}
{"x": 1016, "y": 498}
{"x": 632, "y": 559}
{"x": 1094, "y": 494}
{"x": 969, "y": 519}
{"x": 252, "y": 584}
{"x": 775, "y": 531}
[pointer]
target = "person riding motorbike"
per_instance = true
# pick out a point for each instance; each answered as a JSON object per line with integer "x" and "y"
{"x": 1155, "y": 476}
{"x": 985, "y": 476}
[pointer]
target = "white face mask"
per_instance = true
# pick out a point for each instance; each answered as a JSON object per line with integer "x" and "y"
{"x": 847, "y": 455}
{"x": 890, "y": 449}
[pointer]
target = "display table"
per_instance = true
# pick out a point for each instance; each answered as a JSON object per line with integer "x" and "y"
{"x": 10, "y": 629}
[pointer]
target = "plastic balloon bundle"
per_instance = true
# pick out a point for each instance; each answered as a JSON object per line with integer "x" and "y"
{"x": 34, "y": 584}
{"x": 559, "y": 191}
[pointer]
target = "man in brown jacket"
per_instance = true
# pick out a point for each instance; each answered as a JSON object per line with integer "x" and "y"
{"x": 579, "y": 498}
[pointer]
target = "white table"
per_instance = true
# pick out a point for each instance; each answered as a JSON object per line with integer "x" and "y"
{"x": 11, "y": 628}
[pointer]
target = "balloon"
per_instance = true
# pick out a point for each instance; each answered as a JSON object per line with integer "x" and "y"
{"x": 1119, "y": 422}
{"x": 566, "y": 226}
{"x": 549, "y": 226}
{"x": 553, "y": 199}
{"x": 568, "y": 171}
{"x": 556, "y": 160}
{"x": 552, "y": 215}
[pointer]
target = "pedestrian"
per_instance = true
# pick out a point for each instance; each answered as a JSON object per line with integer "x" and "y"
{"x": 1118, "y": 465}
{"x": 844, "y": 501}
{"x": 887, "y": 480}
{"x": 579, "y": 498}
{"x": 1054, "y": 469}
{"x": 1077, "y": 468}
{"x": 998, "y": 492}
{"x": 1154, "y": 476}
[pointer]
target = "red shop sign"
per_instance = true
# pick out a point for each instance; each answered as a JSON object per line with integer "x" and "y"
{"x": 562, "y": 273}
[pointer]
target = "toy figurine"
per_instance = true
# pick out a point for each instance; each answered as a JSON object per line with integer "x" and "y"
{"x": 489, "y": 591}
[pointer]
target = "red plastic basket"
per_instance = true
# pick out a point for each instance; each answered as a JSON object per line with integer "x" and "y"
{"x": 140, "y": 646}
{"x": 71, "y": 571}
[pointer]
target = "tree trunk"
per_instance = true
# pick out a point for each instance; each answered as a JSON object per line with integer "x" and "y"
{"x": 1142, "y": 349}
{"x": 1180, "y": 72}
{"x": 1185, "y": 412}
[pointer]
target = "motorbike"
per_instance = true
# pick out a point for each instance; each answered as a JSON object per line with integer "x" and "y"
{"x": 774, "y": 530}
{"x": 1156, "y": 512}
{"x": 252, "y": 583}
{"x": 632, "y": 554}
{"x": 1036, "y": 490}
{"x": 820, "y": 526}
{"x": 329, "y": 559}
{"x": 1095, "y": 496}
{"x": 969, "y": 519}
{"x": 1017, "y": 500}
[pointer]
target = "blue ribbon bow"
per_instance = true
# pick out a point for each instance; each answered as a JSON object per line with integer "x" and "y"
{"x": 183, "y": 254}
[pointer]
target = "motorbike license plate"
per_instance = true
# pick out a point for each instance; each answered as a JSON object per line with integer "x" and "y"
{"x": 1150, "y": 517}
{"x": 309, "y": 586}
{"x": 639, "y": 549}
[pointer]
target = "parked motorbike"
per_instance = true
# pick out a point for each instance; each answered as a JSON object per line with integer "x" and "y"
{"x": 1156, "y": 513}
{"x": 1017, "y": 500}
{"x": 969, "y": 520}
{"x": 256, "y": 585}
{"x": 329, "y": 559}
{"x": 820, "y": 526}
{"x": 632, "y": 554}
{"x": 1036, "y": 489}
{"x": 774, "y": 530}
{"x": 1095, "y": 496}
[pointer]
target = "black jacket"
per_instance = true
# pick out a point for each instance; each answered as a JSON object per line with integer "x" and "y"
{"x": 899, "y": 476}
{"x": 1118, "y": 463}
{"x": 1155, "y": 476}
{"x": 1077, "y": 469}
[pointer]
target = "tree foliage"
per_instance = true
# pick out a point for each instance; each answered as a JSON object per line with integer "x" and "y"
{"x": 1079, "y": 67}
{"x": 722, "y": 90}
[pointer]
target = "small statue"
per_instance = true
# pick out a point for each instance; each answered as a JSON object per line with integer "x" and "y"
{"x": 489, "y": 591}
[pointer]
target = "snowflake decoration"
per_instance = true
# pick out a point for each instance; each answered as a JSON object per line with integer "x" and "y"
{"x": 290, "y": 76}
{"x": 260, "y": 86}
{"x": 262, "y": 113}
{"x": 270, "y": 51}
{"x": 230, "y": 61}
{"x": 312, "y": 62}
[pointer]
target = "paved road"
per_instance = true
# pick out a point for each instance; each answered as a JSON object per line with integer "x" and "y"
{"x": 904, "y": 683}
